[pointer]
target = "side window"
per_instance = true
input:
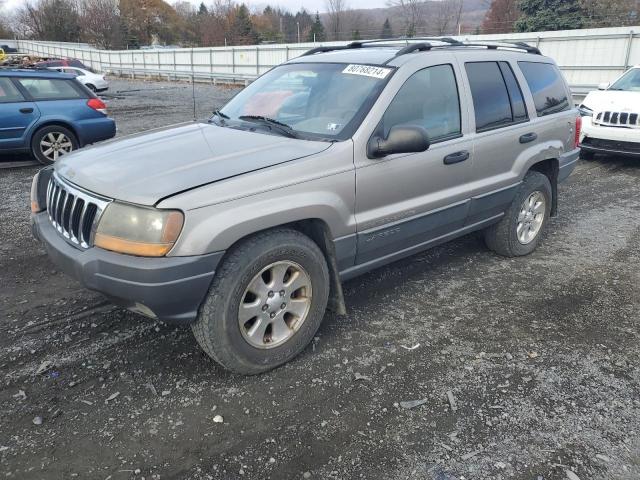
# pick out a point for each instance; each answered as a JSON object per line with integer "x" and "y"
{"x": 8, "y": 92}
{"x": 490, "y": 97}
{"x": 49, "y": 89}
{"x": 547, "y": 87}
{"x": 518, "y": 106}
{"x": 429, "y": 98}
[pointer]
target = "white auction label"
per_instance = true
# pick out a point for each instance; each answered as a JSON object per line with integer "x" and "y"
{"x": 367, "y": 71}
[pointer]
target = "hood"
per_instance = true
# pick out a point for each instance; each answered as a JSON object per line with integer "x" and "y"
{"x": 148, "y": 167}
{"x": 613, "y": 100}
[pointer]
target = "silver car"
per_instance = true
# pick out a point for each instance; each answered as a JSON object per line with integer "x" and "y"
{"x": 328, "y": 166}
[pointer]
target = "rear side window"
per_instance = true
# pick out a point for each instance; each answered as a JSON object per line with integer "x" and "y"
{"x": 49, "y": 89}
{"x": 8, "y": 92}
{"x": 518, "y": 108}
{"x": 495, "y": 105}
{"x": 547, "y": 87}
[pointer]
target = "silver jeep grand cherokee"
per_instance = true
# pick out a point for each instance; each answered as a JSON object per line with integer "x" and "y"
{"x": 326, "y": 167}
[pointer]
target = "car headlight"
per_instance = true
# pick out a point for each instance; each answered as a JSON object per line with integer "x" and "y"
{"x": 585, "y": 111}
{"x": 39, "y": 189}
{"x": 142, "y": 231}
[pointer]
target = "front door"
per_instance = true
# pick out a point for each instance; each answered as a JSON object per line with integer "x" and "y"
{"x": 404, "y": 202}
{"x": 16, "y": 116}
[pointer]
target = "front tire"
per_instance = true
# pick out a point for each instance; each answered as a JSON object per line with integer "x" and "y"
{"x": 266, "y": 302}
{"x": 519, "y": 232}
{"x": 50, "y": 143}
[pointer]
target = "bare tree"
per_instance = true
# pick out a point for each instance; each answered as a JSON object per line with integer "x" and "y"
{"x": 336, "y": 10}
{"x": 412, "y": 14}
{"x": 100, "y": 23}
{"x": 56, "y": 20}
{"x": 447, "y": 16}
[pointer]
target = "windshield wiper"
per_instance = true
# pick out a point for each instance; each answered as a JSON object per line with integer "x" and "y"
{"x": 280, "y": 126}
{"x": 222, "y": 116}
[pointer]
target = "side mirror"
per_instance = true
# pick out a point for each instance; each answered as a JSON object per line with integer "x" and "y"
{"x": 401, "y": 139}
{"x": 603, "y": 86}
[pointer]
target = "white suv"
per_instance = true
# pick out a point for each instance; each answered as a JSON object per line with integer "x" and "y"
{"x": 611, "y": 118}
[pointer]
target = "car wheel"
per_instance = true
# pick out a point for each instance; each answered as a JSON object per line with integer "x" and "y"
{"x": 520, "y": 230}
{"x": 266, "y": 302}
{"x": 50, "y": 143}
{"x": 92, "y": 88}
{"x": 585, "y": 155}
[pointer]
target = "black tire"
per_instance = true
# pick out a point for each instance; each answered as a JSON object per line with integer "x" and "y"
{"x": 56, "y": 130}
{"x": 502, "y": 237}
{"x": 586, "y": 155}
{"x": 92, "y": 88}
{"x": 217, "y": 329}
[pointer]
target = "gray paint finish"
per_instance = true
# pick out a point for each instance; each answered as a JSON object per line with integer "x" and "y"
{"x": 144, "y": 169}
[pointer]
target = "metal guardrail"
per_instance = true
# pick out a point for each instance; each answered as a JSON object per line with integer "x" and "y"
{"x": 233, "y": 78}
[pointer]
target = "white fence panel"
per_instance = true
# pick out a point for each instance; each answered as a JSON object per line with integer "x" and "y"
{"x": 587, "y": 57}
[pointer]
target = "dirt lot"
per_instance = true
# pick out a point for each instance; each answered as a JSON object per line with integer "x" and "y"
{"x": 539, "y": 354}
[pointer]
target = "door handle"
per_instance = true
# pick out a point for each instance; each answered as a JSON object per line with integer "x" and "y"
{"x": 456, "y": 157}
{"x": 26, "y": 110}
{"x": 528, "y": 137}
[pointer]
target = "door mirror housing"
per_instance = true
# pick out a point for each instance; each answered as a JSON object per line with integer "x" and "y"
{"x": 603, "y": 86}
{"x": 401, "y": 139}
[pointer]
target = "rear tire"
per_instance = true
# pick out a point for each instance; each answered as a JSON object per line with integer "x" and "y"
{"x": 51, "y": 143}
{"x": 92, "y": 88}
{"x": 250, "y": 333}
{"x": 520, "y": 230}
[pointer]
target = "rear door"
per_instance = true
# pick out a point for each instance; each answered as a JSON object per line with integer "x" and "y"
{"x": 17, "y": 115}
{"x": 503, "y": 130}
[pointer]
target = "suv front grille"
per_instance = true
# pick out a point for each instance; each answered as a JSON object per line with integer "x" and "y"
{"x": 617, "y": 119}
{"x": 73, "y": 212}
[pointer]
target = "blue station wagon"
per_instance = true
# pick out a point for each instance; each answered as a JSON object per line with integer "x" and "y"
{"x": 49, "y": 114}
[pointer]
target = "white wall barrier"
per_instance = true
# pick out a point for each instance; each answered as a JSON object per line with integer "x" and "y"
{"x": 587, "y": 57}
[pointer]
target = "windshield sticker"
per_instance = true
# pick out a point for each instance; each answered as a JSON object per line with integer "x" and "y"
{"x": 367, "y": 71}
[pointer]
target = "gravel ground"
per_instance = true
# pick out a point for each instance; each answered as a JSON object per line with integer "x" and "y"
{"x": 525, "y": 368}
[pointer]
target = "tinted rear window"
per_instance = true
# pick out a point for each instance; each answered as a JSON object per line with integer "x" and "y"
{"x": 490, "y": 97}
{"x": 547, "y": 87}
{"x": 8, "y": 92}
{"x": 50, "y": 89}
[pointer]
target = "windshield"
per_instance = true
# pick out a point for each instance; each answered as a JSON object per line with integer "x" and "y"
{"x": 629, "y": 82}
{"x": 316, "y": 100}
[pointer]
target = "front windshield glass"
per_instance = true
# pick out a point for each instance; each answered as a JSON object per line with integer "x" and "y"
{"x": 629, "y": 82}
{"x": 317, "y": 100}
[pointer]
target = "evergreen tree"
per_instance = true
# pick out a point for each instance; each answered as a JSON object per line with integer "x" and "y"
{"x": 541, "y": 15}
{"x": 202, "y": 10}
{"x": 242, "y": 28}
{"x": 356, "y": 35}
{"x": 386, "y": 30}
{"x": 317, "y": 33}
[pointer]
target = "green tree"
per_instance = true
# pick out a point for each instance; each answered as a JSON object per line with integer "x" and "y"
{"x": 541, "y": 15}
{"x": 356, "y": 35}
{"x": 242, "y": 28}
{"x": 202, "y": 10}
{"x": 387, "y": 32}
{"x": 317, "y": 33}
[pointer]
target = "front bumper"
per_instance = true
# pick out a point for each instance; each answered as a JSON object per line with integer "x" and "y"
{"x": 609, "y": 140}
{"x": 170, "y": 289}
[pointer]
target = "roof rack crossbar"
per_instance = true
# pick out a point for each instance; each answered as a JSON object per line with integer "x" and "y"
{"x": 413, "y": 47}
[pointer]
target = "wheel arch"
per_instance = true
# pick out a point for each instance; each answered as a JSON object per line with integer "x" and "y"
{"x": 550, "y": 168}
{"x": 319, "y": 232}
{"x": 60, "y": 123}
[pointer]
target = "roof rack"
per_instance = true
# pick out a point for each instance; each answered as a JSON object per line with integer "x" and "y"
{"x": 424, "y": 44}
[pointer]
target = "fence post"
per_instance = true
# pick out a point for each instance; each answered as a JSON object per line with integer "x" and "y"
{"x": 628, "y": 53}
{"x": 287, "y": 53}
{"x": 175, "y": 65}
{"x": 233, "y": 60}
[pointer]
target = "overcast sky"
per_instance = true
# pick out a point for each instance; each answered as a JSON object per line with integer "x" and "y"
{"x": 293, "y": 5}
